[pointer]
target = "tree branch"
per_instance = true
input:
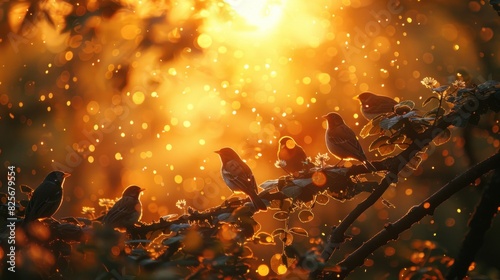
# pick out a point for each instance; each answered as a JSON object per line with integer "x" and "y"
{"x": 415, "y": 214}
{"x": 479, "y": 224}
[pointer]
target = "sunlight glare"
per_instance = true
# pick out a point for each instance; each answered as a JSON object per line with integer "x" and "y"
{"x": 262, "y": 14}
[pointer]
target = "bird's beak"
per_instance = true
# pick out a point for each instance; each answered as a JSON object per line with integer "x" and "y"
{"x": 143, "y": 189}
{"x": 324, "y": 116}
{"x": 356, "y": 97}
{"x": 217, "y": 152}
{"x": 66, "y": 175}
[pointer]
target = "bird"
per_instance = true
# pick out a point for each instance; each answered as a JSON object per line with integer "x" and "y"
{"x": 341, "y": 141}
{"x": 47, "y": 197}
{"x": 373, "y": 105}
{"x": 293, "y": 156}
{"x": 127, "y": 210}
{"x": 238, "y": 176}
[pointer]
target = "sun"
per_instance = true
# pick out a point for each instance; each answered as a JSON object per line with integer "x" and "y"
{"x": 260, "y": 14}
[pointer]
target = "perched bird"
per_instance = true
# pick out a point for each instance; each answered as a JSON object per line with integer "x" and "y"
{"x": 293, "y": 156}
{"x": 238, "y": 176}
{"x": 47, "y": 198}
{"x": 127, "y": 210}
{"x": 341, "y": 141}
{"x": 373, "y": 105}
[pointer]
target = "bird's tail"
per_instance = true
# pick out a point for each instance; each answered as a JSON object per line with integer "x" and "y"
{"x": 369, "y": 166}
{"x": 258, "y": 203}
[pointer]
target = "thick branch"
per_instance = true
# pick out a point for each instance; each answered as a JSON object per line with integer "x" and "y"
{"x": 479, "y": 225}
{"x": 416, "y": 213}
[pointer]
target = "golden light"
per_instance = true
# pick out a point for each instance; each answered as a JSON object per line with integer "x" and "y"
{"x": 260, "y": 14}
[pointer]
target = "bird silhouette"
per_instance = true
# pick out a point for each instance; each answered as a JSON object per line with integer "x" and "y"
{"x": 239, "y": 177}
{"x": 127, "y": 210}
{"x": 293, "y": 156}
{"x": 341, "y": 141}
{"x": 47, "y": 197}
{"x": 373, "y": 105}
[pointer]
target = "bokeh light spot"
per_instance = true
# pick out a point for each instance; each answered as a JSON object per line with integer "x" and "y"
{"x": 204, "y": 41}
{"x": 263, "y": 270}
{"x": 138, "y": 97}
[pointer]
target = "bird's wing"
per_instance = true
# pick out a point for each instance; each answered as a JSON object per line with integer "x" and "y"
{"x": 348, "y": 142}
{"x": 122, "y": 209}
{"x": 239, "y": 174}
{"x": 47, "y": 195}
{"x": 381, "y": 104}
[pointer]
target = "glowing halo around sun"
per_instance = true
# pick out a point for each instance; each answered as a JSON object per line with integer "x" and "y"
{"x": 259, "y": 14}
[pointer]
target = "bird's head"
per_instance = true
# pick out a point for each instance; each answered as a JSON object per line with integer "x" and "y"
{"x": 57, "y": 177}
{"x": 363, "y": 97}
{"x": 287, "y": 142}
{"x": 333, "y": 119}
{"x": 133, "y": 191}
{"x": 227, "y": 154}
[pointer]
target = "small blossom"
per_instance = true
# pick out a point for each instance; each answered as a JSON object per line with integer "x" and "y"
{"x": 307, "y": 161}
{"x": 106, "y": 202}
{"x": 321, "y": 159}
{"x": 88, "y": 210}
{"x": 280, "y": 163}
{"x": 181, "y": 204}
{"x": 458, "y": 84}
{"x": 429, "y": 82}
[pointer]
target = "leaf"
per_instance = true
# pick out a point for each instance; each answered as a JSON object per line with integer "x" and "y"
{"x": 26, "y": 190}
{"x": 434, "y": 112}
{"x": 442, "y": 137}
{"x": 220, "y": 260}
{"x": 365, "y": 131}
{"x": 414, "y": 162}
{"x": 177, "y": 227}
{"x": 387, "y": 124}
{"x": 169, "y": 217}
{"x": 292, "y": 191}
{"x": 335, "y": 171}
{"x": 173, "y": 240}
{"x": 159, "y": 240}
{"x": 386, "y": 149}
{"x": 278, "y": 232}
{"x": 408, "y": 103}
{"x": 306, "y": 216}
{"x": 281, "y": 215}
{"x": 264, "y": 238}
{"x": 441, "y": 89}
{"x": 223, "y": 216}
{"x": 269, "y": 184}
{"x": 299, "y": 231}
{"x": 397, "y": 138}
{"x": 302, "y": 182}
{"x": 322, "y": 199}
{"x": 382, "y": 140}
{"x": 429, "y": 100}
